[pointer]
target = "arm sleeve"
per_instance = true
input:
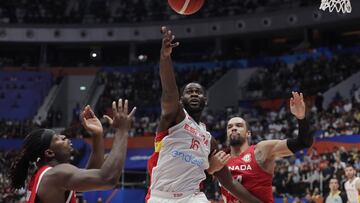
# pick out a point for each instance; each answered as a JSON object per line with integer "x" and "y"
{"x": 304, "y": 139}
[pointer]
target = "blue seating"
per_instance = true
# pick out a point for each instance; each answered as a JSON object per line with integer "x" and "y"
{"x": 24, "y": 92}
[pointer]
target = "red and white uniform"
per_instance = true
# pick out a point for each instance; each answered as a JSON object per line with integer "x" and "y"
{"x": 245, "y": 169}
{"x": 34, "y": 183}
{"x": 177, "y": 166}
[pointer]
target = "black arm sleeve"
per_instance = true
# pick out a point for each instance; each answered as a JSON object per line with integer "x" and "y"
{"x": 304, "y": 139}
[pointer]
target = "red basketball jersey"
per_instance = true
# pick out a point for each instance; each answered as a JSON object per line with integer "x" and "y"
{"x": 245, "y": 169}
{"x": 34, "y": 185}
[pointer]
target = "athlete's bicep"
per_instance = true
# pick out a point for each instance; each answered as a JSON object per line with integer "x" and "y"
{"x": 70, "y": 177}
{"x": 274, "y": 148}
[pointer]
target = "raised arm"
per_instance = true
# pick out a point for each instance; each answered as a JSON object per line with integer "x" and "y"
{"x": 73, "y": 178}
{"x": 170, "y": 106}
{"x": 270, "y": 149}
{"x": 93, "y": 125}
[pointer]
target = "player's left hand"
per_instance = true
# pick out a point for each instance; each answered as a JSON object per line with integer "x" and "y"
{"x": 297, "y": 105}
{"x": 90, "y": 122}
{"x": 217, "y": 161}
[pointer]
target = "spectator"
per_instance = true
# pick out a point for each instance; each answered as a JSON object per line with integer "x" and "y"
{"x": 335, "y": 195}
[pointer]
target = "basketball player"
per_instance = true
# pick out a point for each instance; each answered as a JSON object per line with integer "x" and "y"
{"x": 55, "y": 179}
{"x": 352, "y": 185}
{"x": 182, "y": 144}
{"x": 253, "y": 165}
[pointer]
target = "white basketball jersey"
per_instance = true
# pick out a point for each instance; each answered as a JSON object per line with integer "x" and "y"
{"x": 351, "y": 191}
{"x": 183, "y": 157}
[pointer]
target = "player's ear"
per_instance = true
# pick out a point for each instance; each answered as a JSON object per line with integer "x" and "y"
{"x": 49, "y": 153}
{"x": 248, "y": 134}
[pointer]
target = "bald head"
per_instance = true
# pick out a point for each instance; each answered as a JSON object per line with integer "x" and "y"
{"x": 237, "y": 131}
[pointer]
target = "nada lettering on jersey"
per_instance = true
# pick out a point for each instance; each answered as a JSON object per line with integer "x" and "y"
{"x": 246, "y": 167}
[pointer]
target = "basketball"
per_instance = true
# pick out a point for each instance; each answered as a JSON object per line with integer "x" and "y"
{"x": 186, "y": 7}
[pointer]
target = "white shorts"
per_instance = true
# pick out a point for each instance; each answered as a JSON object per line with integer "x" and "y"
{"x": 169, "y": 197}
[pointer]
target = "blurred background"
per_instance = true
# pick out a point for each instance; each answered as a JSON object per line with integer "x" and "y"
{"x": 56, "y": 56}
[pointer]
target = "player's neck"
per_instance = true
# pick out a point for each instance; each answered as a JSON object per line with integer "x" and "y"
{"x": 237, "y": 150}
{"x": 51, "y": 163}
{"x": 334, "y": 192}
{"x": 196, "y": 117}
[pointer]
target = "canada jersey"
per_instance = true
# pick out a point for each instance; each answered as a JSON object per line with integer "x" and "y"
{"x": 34, "y": 185}
{"x": 245, "y": 169}
{"x": 351, "y": 191}
{"x": 180, "y": 158}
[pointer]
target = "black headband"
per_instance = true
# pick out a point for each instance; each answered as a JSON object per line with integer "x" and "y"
{"x": 45, "y": 139}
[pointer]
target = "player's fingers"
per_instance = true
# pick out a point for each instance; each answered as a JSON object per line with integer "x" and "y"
{"x": 108, "y": 119}
{"x": 163, "y": 29}
{"x": 120, "y": 106}
{"x": 213, "y": 152}
{"x": 175, "y": 44}
{"x": 226, "y": 158}
{"x": 82, "y": 117}
{"x": 131, "y": 114}
{"x": 296, "y": 94}
{"x": 301, "y": 96}
{"x": 223, "y": 157}
{"x": 91, "y": 111}
{"x": 220, "y": 154}
{"x": 126, "y": 106}
{"x": 114, "y": 109}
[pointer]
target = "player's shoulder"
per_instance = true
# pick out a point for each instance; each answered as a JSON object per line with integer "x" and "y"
{"x": 357, "y": 182}
{"x": 57, "y": 175}
{"x": 61, "y": 170}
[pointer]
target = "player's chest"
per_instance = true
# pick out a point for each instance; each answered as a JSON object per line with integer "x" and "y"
{"x": 243, "y": 164}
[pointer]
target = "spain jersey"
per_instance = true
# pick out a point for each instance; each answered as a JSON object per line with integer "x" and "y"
{"x": 351, "y": 191}
{"x": 34, "y": 183}
{"x": 245, "y": 169}
{"x": 180, "y": 158}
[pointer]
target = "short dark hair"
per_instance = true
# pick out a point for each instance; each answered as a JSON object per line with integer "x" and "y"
{"x": 350, "y": 165}
{"x": 182, "y": 89}
{"x": 334, "y": 179}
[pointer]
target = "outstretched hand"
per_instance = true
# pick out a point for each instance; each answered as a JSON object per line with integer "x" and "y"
{"x": 217, "y": 161}
{"x": 121, "y": 119}
{"x": 90, "y": 122}
{"x": 167, "y": 42}
{"x": 297, "y": 105}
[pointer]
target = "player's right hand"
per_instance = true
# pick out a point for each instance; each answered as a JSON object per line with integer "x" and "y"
{"x": 217, "y": 161}
{"x": 90, "y": 122}
{"x": 121, "y": 119}
{"x": 167, "y": 42}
